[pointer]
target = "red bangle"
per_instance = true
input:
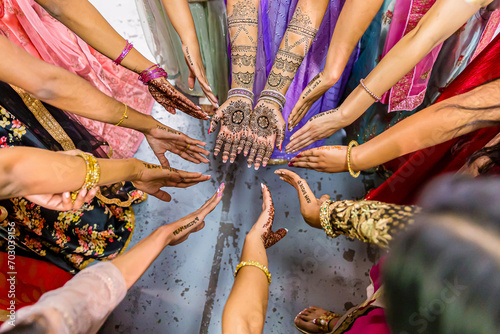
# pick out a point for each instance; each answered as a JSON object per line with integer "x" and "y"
{"x": 151, "y": 73}
{"x": 124, "y": 53}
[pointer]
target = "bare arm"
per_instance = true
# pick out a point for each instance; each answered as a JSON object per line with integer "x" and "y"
{"x": 85, "y": 20}
{"x": 246, "y": 307}
{"x": 137, "y": 260}
{"x": 353, "y": 21}
{"x": 431, "y": 126}
{"x": 27, "y": 171}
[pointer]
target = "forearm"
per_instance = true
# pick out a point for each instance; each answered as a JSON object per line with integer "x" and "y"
{"x": 245, "y": 309}
{"x": 29, "y": 171}
{"x": 443, "y": 19}
{"x": 354, "y": 19}
{"x": 296, "y": 42}
{"x": 242, "y": 19}
{"x": 85, "y": 20}
{"x": 63, "y": 89}
{"x": 180, "y": 16}
{"x": 431, "y": 126}
{"x": 137, "y": 260}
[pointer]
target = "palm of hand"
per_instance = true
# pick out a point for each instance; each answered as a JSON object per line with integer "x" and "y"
{"x": 233, "y": 134}
{"x": 265, "y": 222}
{"x": 267, "y": 127}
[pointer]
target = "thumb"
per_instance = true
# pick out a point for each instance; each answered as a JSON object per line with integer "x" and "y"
{"x": 162, "y": 195}
{"x": 324, "y": 198}
{"x": 214, "y": 122}
{"x": 191, "y": 79}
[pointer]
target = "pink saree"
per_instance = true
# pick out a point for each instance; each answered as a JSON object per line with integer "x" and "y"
{"x": 409, "y": 92}
{"x": 29, "y": 26}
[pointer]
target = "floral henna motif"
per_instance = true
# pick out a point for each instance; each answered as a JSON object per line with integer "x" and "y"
{"x": 264, "y": 121}
{"x": 236, "y": 116}
{"x": 269, "y": 238}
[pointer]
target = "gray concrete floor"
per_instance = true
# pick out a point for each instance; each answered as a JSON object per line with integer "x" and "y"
{"x": 185, "y": 289}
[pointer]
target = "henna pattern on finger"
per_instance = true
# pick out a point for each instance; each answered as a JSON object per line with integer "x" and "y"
{"x": 168, "y": 97}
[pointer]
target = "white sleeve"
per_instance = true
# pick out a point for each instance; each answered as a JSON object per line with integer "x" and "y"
{"x": 83, "y": 303}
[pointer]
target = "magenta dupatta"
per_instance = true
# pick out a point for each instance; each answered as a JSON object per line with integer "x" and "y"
{"x": 409, "y": 92}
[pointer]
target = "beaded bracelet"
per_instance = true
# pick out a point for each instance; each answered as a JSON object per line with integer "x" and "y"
{"x": 124, "y": 116}
{"x": 151, "y": 73}
{"x": 242, "y": 92}
{"x": 372, "y": 94}
{"x": 93, "y": 173}
{"x": 253, "y": 264}
{"x": 349, "y": 149}
{"x": 324, "y": 217}
{"x": 269, "y": 98}
{"x": 124, "y": 53}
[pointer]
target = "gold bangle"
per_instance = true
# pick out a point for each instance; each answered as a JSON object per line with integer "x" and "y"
{"x": 349, "y": 148}
{"x": 92, "y": 175}
{"x": 124, "y": 116}
{"x": 324, "y": 217}
{"x": 254, "y": 264}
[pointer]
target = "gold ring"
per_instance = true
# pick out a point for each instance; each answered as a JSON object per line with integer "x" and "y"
{"x": 187, "y": 147}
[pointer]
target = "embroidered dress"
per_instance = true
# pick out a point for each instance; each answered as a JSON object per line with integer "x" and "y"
{"x": 29, "y": 26}
{"x": 70, "y": 240}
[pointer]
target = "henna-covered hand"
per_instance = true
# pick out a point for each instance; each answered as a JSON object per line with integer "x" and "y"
{"x": 163, "y": 139}
{"x": 264, "y": 225}
{"x": 235, "y": 117}
{"x": 267, "y": 127}
{"x": 151, "y": 178}
{"x": 170, "y": 98}
{"x": 194, "y": 62}
{"x": 309, "y": 204}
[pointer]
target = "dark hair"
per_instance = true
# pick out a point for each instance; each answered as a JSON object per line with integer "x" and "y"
{"x": 443, "y": 274}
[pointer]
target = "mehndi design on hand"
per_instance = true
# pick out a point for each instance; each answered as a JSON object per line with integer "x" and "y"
{"x": 269, "y": 238}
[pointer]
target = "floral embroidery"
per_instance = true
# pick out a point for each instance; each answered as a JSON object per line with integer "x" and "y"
{"x": 387, "y": 17}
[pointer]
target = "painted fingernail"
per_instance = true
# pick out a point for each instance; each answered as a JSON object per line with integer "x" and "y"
{"x": 298, "y": 155}
{"x": 210, "y": 88}
{"x": 217, "y": 105}
{"x": 262, "y": 185}
{"x": 282, "y": 178}
{"x": 291, "y": 138}
{"x": 286, "y": 229}
{"x": 294, "y": 151}
{"x": 249, "y": 166}
{"x": 256, "y": 167}
{"x": 290, "y": 165}
{"x": 66, "y": 195}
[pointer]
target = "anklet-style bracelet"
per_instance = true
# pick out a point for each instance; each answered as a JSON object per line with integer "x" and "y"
{"x": 253, "y": 264}
{"x": 124, "y": 53}
{"x": 372, "y": 94}
{"x": 349, "y": 149}
{"x": 124, "y": 116}
{"x": 241, "y": 92}
{"x": 92, "y": 175}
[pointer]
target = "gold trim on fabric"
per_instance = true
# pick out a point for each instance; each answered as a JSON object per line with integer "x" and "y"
{"x": 46, "y": 119}
{"x": 116, "y": 201}
{"x": 275, "y": 162}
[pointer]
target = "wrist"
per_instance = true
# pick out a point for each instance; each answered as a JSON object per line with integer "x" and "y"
{"x": 136, "y": 167}
{"x": 357, "y": 158}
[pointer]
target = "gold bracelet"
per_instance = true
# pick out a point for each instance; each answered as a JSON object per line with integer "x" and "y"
{"x": 124, "y": 116}
{"x": 324, "y": 217}
{"x": 92, "y": 176}
{"x": 349, "y": 148}
{"x": 254, "y": 264}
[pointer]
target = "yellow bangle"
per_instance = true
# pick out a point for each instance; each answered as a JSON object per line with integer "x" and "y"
{"x": 93, "y": 173}
{"x": 349, "y": 148}
{"x": 254, "y": 264}
{"x": 124, "y": 116}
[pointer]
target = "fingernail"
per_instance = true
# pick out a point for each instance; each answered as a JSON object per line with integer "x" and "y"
{"x": 291, "y": 129}
{"x": 256, "y": 167}
{"x": 217, "y": 105}
{"x": 282, "y": 178}
{"x": 298, "y": 155}
{"x": 66, "y": 195}
{"x": 290, "y": 165}
{"x": 210, "y": 88}
{"x": 286, "y": 229}
{"x": 264, "y": 165}
{"x": 291, "y": 138}
{"x": 249, "y": 166}
{"x": 294, "y": 151}
{"x": 262, "y": 185}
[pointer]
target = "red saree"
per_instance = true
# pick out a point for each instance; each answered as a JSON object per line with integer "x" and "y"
{"x": 415, "y": 170}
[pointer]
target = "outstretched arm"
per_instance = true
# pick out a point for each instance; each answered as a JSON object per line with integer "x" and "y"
{"x": 354, "y": 19}
{"x": 69, "y": 92}
{"x": 28, "y": 171}
{"x": 246, "y": 307}
{"x": 434, "y": 125}
{"x": 443, "y": 19}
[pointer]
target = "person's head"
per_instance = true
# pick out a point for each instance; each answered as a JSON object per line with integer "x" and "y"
{"x": 443, "y": 274}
